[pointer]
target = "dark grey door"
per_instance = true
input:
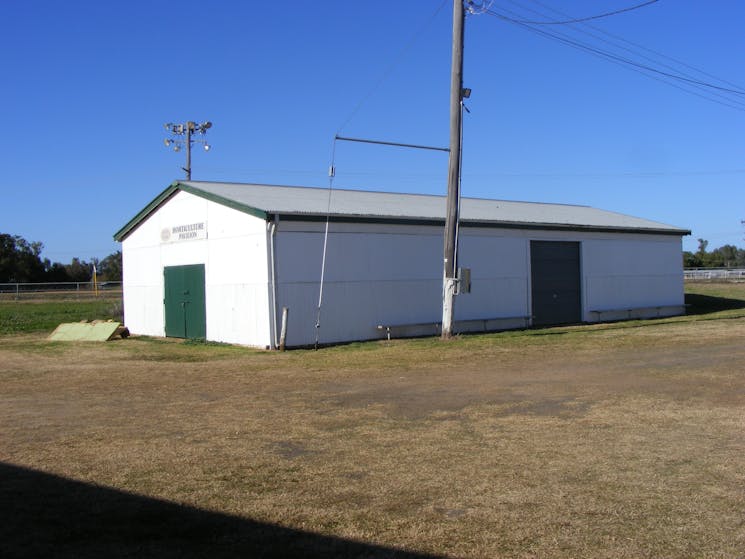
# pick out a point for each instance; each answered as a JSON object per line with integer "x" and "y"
{"x": 556, "y": 280}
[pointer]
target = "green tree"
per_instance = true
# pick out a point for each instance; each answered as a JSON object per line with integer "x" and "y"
{"x": 19, "y": 259}
{"x": 728, "y": 255}
{"x": 701, "y": 252}
{"x": 740, "y": 258}
{"x": 110, "y": 268}
{"x": 713, "y": 259}
{"x": 79, "y": 270}
{"x": 691, "y": 260}
{"x": 54, "y": 271}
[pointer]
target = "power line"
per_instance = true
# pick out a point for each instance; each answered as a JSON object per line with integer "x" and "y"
{"x": 628, "y": 42}
{"x": 709, "y": 88}
{"x": 583, "y": 19}
{"x": 611, "y": 174}
{"x": 391, "y": 67}
{"x": 411, "y": 176}
{"x": 619, "y": 58}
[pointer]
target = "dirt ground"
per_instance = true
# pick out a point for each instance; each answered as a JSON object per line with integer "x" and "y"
{"x": 600, "y": 441}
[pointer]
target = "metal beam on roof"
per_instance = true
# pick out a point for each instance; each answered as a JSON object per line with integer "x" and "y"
{"x": 396, "y": 144}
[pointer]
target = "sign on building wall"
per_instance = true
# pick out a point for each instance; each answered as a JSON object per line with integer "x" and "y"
{"x": 188, "y": 232}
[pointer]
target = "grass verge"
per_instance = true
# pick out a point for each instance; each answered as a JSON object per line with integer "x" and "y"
{"x": 616, "y": 440}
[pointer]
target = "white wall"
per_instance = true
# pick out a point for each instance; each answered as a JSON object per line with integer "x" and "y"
{"x": 376, "y": 275}
{"x": 632, "y": 272}
{"x": 392, "y": 275}
{"x": 620, "y": 272}
{"x": 234, "y": 254}
{"x": 500, "y": 275}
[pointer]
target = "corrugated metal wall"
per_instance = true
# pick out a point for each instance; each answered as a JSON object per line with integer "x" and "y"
{"x": 375, "y": 274}
{"x": 386, "y": 274}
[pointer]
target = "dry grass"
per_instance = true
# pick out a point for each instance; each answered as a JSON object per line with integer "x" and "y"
{"x": 606, "y": 441}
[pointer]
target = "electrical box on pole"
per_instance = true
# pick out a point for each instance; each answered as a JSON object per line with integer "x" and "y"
{"x": 464, "y": 281}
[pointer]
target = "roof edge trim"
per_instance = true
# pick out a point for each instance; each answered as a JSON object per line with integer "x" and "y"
{"x": 158, "y": 201}
{"x": 168, "y": 193}
{"x": 485, "y": 224}
{"x": 256, "y": 212}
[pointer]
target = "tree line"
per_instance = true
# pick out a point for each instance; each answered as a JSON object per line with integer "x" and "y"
{"x": 727, "y": 256}
{"x": 21, "y": 262}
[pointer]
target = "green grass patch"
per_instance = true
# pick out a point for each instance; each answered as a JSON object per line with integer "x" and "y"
{"x": 704, "y": 300}
{"x": 147, "y": 348}
{"x": 724, "y": 289}
{"x": 724, "y": 299}
{"x": 20, "y": 317}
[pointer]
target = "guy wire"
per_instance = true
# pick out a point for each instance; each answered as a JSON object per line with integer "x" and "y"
{"x": 332, "y": 173}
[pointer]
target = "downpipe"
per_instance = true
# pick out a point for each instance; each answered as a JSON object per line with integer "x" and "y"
{"x": 272, "y": 241}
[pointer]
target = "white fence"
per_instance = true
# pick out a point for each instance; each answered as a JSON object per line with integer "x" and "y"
{"x": 86, "y": 288}
{"x": 62, "y": 289}
{"x": 703, "y": 274}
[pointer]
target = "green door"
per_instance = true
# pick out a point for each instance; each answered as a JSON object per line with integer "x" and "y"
{"x": 185, "y": 312}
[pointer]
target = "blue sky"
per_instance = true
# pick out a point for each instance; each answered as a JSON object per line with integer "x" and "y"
{"x": 87, "y": 86}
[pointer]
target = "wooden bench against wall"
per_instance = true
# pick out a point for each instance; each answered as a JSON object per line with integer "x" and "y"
{"x": 460, "y": 326}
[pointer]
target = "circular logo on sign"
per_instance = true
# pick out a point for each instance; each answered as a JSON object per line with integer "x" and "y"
{"x": 165, "y": 234}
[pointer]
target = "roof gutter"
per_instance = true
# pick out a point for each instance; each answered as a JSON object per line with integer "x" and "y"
{"x": 484, "y": 224}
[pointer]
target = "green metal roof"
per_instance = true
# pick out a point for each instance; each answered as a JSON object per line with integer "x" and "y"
{"x": 310, "y": 204}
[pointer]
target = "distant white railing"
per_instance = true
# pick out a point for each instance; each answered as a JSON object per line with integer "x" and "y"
{"x": 60, "y": 289}
{"x": 714, "y": 274}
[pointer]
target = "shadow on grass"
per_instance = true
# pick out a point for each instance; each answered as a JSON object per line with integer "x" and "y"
{"x": 706, "y": 304}
{"x": 50, "y": 516}
{"x": 696, "y": 305}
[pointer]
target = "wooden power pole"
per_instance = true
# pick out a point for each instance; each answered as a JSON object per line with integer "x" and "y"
{"x": 453, "y": 197}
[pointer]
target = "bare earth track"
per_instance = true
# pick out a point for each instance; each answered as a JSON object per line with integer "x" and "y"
{"x": 597, "y": 441}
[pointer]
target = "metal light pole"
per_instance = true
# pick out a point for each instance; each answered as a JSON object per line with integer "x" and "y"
{"x": 177, "y": 140}
{"x": 453, "y": 198}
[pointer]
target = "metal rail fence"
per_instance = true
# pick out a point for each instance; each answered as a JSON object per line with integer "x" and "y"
{"x": 61, "y": 290}
{"x": 86, "y": 289}
{"x": 714, "y": 274}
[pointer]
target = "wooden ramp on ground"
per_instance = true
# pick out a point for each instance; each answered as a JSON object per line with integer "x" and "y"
{"x": 95, "y": 331}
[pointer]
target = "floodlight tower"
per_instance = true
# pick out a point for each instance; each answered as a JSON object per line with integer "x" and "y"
{"x": 182, "y": 135}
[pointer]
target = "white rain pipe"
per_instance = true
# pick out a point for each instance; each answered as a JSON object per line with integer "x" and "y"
{"x": 272, "y": 240}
